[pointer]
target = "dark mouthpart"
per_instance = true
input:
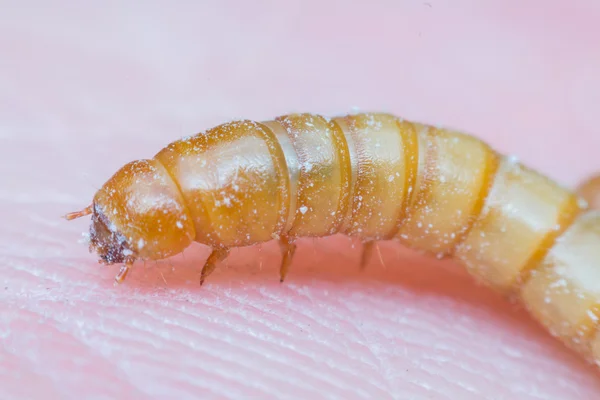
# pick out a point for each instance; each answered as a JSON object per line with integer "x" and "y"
{"x": 110, "y": 244}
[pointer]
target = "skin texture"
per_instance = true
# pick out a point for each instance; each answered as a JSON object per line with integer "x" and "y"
{"x": 436, "y": 191}
{"x": 80, "y": 100}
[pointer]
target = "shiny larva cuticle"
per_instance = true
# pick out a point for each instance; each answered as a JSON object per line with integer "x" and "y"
{"x": 373, "y": 176}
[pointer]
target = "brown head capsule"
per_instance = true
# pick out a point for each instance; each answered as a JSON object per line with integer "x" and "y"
{"x": 372, "y": 176}
{"x": 138, "y": 214}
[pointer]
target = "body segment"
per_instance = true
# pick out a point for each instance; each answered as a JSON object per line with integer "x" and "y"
{"x": 371, "y": 176}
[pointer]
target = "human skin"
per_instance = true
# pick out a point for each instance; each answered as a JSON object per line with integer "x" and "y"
{"x": 84, "y": 89}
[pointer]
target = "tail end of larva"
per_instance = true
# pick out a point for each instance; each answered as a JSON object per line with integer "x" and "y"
{"x": 590, "y": 191}
{"x": 78, "y": 214}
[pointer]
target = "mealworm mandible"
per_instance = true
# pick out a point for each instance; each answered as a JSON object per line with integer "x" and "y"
{"x": 373, "y": 176}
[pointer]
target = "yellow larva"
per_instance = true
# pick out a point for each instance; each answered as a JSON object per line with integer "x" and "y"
{"x": 371, "y": 176}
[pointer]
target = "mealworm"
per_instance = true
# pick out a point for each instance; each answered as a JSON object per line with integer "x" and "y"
{"x": 373, "y": 176}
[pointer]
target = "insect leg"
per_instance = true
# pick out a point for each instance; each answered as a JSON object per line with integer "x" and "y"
{"x": 123, "y": 273}
{"x": 288, "y": 248}
{"x": 368, "y": 248}
{"x": 211, "y": 263}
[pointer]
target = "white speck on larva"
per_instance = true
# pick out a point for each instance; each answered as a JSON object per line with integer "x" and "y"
{"x": 512, "y": 159}
{"x": 355, "y": 166}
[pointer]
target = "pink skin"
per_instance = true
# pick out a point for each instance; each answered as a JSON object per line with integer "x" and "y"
{"x": 84, "y": 90}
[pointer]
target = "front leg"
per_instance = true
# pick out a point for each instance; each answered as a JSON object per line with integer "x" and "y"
{"x": 367, "y": 252}
{"x": 215, "y": 256}
{"x": 288, "y": 248}
{"x": 123, "y": 273}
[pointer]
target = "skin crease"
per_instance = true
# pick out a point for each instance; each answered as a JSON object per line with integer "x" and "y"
{"x": 79, "y": 101}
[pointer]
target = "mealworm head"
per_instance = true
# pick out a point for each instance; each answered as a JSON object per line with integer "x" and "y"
{"x": 107, "y": 242}
{"x": 139, "y": 214}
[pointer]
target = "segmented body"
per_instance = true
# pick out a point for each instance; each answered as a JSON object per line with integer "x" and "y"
{"x": 372, "y": 176}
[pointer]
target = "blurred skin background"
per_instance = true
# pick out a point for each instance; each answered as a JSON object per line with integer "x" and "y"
{"x": 86, "y": 87}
